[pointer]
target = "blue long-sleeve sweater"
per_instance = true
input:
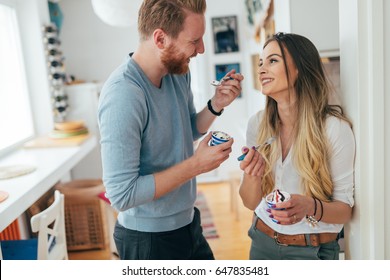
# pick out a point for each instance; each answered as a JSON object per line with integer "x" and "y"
{"x": 144, "y": 130}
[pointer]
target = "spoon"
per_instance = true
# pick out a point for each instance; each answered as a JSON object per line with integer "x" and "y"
{"x": 266, "y": 143}
{"x": 218, "y": 83}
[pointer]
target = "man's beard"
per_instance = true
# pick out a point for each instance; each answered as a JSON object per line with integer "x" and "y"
{"x": 174, "y": 61}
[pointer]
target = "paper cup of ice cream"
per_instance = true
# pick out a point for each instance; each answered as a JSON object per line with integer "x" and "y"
{"x": 219, "y": 137}
{"x": 274, "y": 197}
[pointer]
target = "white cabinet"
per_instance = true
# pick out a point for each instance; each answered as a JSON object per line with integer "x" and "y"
{"x": 83, "y": 105}
{"x": 317, "y": 20}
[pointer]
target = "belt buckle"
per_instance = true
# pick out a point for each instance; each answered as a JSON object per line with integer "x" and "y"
{"x": 277, "y": 240}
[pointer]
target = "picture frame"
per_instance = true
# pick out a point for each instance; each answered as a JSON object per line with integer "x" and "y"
{"x": 222, "y": 69}
{"x": 225, "y": 34}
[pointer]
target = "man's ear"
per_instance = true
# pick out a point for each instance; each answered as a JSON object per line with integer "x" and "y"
{"x": 159, "y": 38}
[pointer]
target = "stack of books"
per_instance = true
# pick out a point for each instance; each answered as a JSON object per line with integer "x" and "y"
{"x": 68, "y": 129}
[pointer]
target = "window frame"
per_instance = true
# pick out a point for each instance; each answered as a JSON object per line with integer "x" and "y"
{"x": 23, "y": 78}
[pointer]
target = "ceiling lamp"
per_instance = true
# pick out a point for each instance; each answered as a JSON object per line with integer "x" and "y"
{"x": 118, "y": 13}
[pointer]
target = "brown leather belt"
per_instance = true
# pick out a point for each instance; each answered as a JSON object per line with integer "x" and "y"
{"x": 296, "y": 239}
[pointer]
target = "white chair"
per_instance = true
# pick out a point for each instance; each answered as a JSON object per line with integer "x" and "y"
{"x": 51, "y": 241}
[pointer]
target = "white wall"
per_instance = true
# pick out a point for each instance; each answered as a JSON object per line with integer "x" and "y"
{"x": 386, "y": 36}
{"x": 92, "y": 48}
{"x": 364, "y": 68}
{"x": 314, "y": 19}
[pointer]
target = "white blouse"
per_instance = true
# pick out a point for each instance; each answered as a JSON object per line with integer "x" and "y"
{"x": 287, "y": 179}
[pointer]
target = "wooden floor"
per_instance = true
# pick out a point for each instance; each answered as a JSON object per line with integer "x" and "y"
{"x": 232, "y": 226}
{"x": 233, "y": 242}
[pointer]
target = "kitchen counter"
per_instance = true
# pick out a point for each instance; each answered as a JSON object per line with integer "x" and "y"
{"x": 52, "y": 164}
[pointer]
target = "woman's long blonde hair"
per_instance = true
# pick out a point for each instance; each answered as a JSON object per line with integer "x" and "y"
{"x": 310, "y": 151}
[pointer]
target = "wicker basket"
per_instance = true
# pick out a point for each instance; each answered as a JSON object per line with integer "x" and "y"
{"x": 84, "y": 214}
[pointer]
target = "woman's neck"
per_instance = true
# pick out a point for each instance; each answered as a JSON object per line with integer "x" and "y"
{"x": 287, "y": 115}
{"x": 288, "y": 119}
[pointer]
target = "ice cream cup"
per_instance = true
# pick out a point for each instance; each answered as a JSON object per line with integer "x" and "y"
{"x": 219, "y": 137}
{"x": 271, "y": 202}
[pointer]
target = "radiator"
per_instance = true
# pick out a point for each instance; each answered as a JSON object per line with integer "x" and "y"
{"x": 12, "y": 232}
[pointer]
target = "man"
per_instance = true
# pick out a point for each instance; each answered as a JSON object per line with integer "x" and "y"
{"x": 148, "y": 124}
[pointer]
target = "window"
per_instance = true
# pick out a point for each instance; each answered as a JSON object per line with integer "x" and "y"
{"x": 16, "y": 123}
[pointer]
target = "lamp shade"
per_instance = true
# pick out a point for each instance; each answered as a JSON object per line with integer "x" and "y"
{"x": 119, "y": 13}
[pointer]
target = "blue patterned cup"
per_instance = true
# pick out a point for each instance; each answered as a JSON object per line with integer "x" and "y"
{"x": 219, "y": 137}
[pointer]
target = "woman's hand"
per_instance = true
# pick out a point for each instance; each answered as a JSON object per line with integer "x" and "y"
{"x": 298, "y": 206}
{"x": 253, "y": 167}
{"x": 253, "y": 163}
{"x": 293, "y": 210}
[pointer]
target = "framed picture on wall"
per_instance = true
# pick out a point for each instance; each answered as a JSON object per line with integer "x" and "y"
{"x": 225, "y": 34}
{"x": 222, "y": 69}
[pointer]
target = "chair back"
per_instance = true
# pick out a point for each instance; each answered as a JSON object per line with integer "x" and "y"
{"x": 50, "y": 225}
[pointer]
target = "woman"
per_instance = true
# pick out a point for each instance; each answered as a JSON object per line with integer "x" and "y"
{"x": 312, "y": 157}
